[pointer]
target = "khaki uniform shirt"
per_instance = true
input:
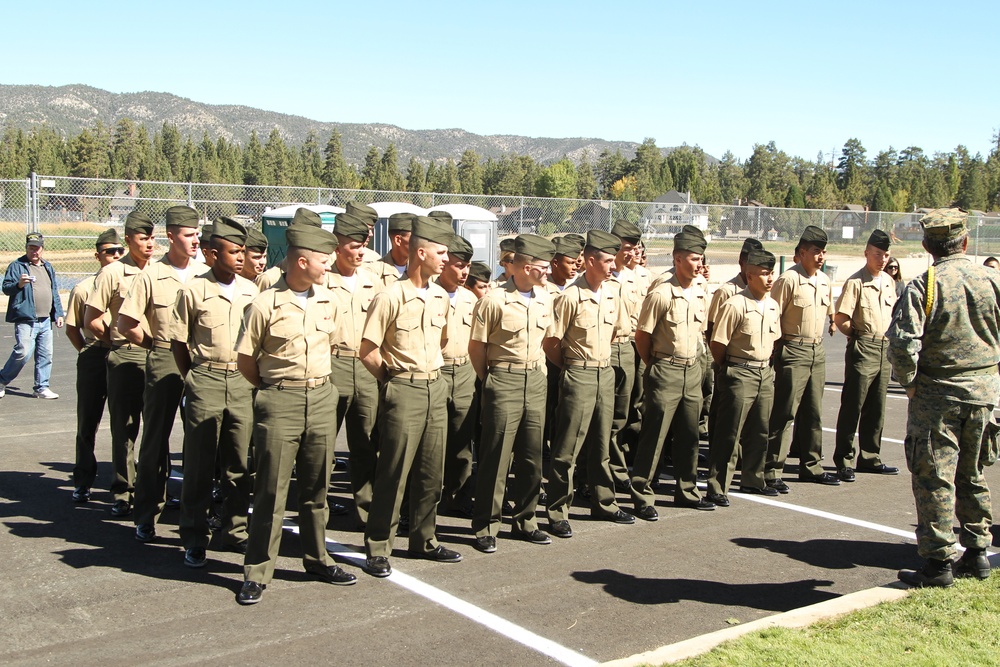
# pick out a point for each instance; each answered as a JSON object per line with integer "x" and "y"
{"x": 460, "y": 325}
{"x": 268, "y": 278}
{"x": 805, "y": 308}
{"x": 78, "y": 304}
{"x": 370, "y": 256}
{"x": 747, "y": 328}
{"x": 287, "y": 341}
{"x": 207, "y": 320}
{"x": 352, "y": 305}
{"x": 511, "y": 327}
{"x": 409, "y": 328}
{"x": 868, "y": 302}
{"x": 675, "y": 323}
{"x": 113, "y": 282}
{"x": 586, "y": 323}
{"x": 632, "y": 296}
{"x": 154, "y": 294}
{"x": 554, "y": 289}
{"x": 722, "y": 294}
{"x": 385, "y": 269}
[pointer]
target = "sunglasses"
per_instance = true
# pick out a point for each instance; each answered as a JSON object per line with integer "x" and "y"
{"x": 892, "y": 267}
{"x": 112, "y": 251}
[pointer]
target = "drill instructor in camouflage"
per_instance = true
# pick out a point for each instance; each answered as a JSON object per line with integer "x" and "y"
{"x": 944, "y": 345}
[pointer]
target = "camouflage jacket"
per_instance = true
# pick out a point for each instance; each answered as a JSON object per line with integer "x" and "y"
{"x": 953, "y": 352}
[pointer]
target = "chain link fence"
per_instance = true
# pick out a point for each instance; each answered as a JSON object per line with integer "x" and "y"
{"x": 71, "y": 212}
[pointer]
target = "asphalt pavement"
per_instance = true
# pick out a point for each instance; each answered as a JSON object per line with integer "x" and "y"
{"x": 77, "y": 588}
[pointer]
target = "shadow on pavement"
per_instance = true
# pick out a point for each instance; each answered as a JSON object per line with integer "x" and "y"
{"x": 768, "y": 596}
{"x": 834, "y": 554}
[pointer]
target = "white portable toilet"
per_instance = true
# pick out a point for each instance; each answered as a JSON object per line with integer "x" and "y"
{"x": 384, "y": 209}
{"x": 478, "y": 226}
{"x": 274, "y": 222}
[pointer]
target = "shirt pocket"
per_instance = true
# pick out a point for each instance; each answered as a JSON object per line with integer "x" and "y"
{"x": 407, "y": 332}
{"x": 212, "y": 330}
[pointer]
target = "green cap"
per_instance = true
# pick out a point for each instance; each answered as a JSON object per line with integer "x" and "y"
{"x": 760, "y": 257}
{"x": 507, "y": 245}
{"x": 230, "y": 230}
{"x": 813, "y": 235}
{"x": 401, "y": 222}
{"x": 433, "y": 230}
{"x": 366, "y": 213}
{"x": 34, "y": 238}
{"x": 603, "y": 241}
{"x": 352, "y": 226}
{"x": 879, "y": 239}
{"x": 310, "y": 237}
{"x": 569, "y": 247}
{"x": 206, "y": 230}
{"x": 626, "y": 231}
{"x": 690, "y": 239}
{"x": 108, "y": 236}
{"x": 535, "y": 246}
{"x": 480, "y": 271}
{"x": 182, "y": 216}
{"x": 579, "y": 238}
{"x": 751, "y": 244}
{"x": 138, "y": 221}
{"x": 441, "y": 215}
{"x": 944, "y": 224}
{"x": 304, "y": 216}
{"x": 460, "y": 248}
{"x": 256, "y": 239}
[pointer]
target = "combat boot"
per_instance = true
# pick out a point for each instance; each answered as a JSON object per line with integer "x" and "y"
{"x": 973, "y": 563}
{"x": 935, "y": 574}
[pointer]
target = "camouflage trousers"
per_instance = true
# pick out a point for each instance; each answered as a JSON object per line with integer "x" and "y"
{"x": 945, "y": 452}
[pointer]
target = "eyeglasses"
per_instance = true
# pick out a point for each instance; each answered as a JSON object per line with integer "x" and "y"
{"x": 118, "y": 250}
{"x": 892, "y": 267}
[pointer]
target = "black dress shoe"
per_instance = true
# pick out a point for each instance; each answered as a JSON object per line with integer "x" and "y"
{"x": 702, "y": 504}
{"x": 214, "y": 522}
{"x": 238, "y": 547}
{"x": 621, "y": 516}
{"x": 377, "y": 566}
{"x": 583, "y": 491}
{"x": 935, "y": 574}
{"x": 338, "y": 509}
{"x": 720, "y": 499}
{"x": 753, "y": 490}
{"x": 333, "y": 574}
{"x": 880, "y": 469}
{"x": 647, "y": 513}
{"x": 121, "y": 508}
{"x": 534, "y": 537}
{"x": 81, "y": 494}
{"x": 561, "y": 528}
{"x": 623, "y": 487}
{"x": 195, "y": 558}
{"x": 403, "y": 527}
{"x": 145, "y": 532}
{"x": 973, "y": 563}
{"x": 543, "y": 498}
{"x": 250, "y": 593}
{"x": 439, "y": 555}
{"x": 486, "y": 544}
{"x": 827, "y": 479}
{"x": 846, "y": 474}
{"x": 778, "y": 485}
{"x": 172, "y": 502}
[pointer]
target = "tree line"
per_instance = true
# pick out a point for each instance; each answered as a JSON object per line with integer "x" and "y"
{"x": 892, "y": 180}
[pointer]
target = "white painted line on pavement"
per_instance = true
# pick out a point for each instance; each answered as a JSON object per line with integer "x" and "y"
{"x": 833, "y": 430}
{"x": 840, "y": 391}
{"x": 907, "y": 534}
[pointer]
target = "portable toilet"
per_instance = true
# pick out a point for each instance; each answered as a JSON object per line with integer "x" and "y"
{"x": 275, "y": 221}
{"x": 479, "y": 227}
{"x": 380, "y": 240}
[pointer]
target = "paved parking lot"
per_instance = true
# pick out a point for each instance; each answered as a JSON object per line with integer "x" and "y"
{"x": 77, "y": 588}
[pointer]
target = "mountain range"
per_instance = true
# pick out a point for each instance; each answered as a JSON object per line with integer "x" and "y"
{"x": 70, "y": 109}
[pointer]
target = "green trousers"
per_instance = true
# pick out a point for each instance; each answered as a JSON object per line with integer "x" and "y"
{"x": 631, "y": 433}
{"x": 460, "y": 385}
{"x": 741, "y": 405}
{"x": 707, "y": 388}
{"x": 513, "y": 418}
{"x": 412, "y": 425}
{"x": 862, "y": 403}
{"x": 126, "y": 380}
{"x": 91, "y": 393}
{"x": 586, "y": 407}
{"x": 673, "y": 403}
{"x": 160, "y": 399}
{"x": 799, "y": 377}
{"x": 218, "y": 425}
{"x": 293, "y": 427}
{"x": 623, "y": 361}
{"x": 357, "y": 410}
{"x": 944, "y": 452}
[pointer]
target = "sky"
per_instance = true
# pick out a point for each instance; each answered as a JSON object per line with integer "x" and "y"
{"x": 722, "y": 75}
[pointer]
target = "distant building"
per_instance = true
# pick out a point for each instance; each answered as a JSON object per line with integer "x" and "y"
{"x": 590, "y": 215}
{"x": 668, "y": 213}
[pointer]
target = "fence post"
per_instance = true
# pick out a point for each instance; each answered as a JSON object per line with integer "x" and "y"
{"x": 319, "y": 194}
{"x": 520, "y": 222}
{"x": 190, "y": 201}
{"x": 33, "y": 199}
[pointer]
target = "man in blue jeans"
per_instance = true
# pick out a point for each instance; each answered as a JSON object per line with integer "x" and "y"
{"x": 30, "y": 282}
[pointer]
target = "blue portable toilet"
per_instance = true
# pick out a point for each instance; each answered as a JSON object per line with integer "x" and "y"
{"x": 275, "y": 221}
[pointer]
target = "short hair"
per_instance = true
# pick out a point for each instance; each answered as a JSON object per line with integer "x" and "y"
{"x": 520, "y": 258}
{"x": 417, "y": 242}
{"x": 472, "y": 280}
{"x": 805, "y": 244}
{"x": 991, "y": 261}
{"x": 945, "y": 247}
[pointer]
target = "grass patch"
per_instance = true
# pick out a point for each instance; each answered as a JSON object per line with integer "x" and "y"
{"x": 958, "y": 626}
